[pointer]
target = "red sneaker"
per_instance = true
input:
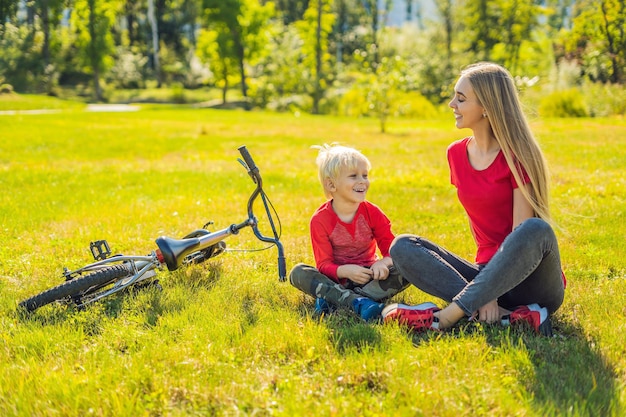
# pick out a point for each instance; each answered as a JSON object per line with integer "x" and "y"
{"x": 419, "y": 317}
{"x": 532, "y": 314}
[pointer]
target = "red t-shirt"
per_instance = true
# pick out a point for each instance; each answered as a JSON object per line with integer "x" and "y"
{"x": 486, "y": 195}
{"x": 336, "y": 243}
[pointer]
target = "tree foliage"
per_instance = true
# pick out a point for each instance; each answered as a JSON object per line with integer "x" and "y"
{"x": 92, "y": 21}
{"x": 304, "y": 53}
{"x": 314, "y": 29}
{"x": 598, "y": 39}
{"x": 240, "y": 23}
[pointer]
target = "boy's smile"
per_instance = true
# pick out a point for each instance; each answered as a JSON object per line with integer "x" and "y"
{"x": 351, "y": 184}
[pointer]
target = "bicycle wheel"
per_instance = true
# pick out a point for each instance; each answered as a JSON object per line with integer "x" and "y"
{"x": 77, "y": 286}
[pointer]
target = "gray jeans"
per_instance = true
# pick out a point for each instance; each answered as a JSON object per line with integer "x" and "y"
{"x": 525, "y": 270}
{"x": 311, "y": 281}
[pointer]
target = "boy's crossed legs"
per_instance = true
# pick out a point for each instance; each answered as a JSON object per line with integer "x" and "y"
{"x": 365, "y": 300}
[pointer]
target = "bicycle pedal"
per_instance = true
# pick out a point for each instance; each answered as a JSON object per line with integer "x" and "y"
{"x": 100, "y": 249}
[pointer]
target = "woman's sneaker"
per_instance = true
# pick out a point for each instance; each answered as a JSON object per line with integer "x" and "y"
{"x": 367, "y": 309}
{"x": 419, "y": 317}
{"x": 532, "y": 314}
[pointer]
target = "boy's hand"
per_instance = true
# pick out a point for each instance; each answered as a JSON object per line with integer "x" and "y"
{"x": 355, "y": 273}
{"x": 380, "y": 270}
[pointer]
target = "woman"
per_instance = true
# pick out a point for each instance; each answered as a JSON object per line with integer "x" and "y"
{"x": 502, "y": 182}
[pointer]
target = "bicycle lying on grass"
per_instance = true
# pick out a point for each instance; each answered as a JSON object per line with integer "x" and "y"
{"x": 110, "y": 274}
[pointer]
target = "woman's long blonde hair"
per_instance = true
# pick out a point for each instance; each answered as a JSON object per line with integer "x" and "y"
{"x": 495, "y": 89}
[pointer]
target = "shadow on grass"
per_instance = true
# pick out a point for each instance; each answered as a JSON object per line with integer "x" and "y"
{"x": 347, "y": 330}
{"x": 569, "y": 375}
{"x": 149, "y": 300}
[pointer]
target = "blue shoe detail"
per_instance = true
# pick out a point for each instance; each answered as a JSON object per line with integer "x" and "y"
{"x": 367, "y": 309}
{"x": 321, "y": 306}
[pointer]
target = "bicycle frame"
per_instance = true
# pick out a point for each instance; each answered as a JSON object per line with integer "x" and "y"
{"x": 143, "y": 267}
{"x": 200, "y": 244}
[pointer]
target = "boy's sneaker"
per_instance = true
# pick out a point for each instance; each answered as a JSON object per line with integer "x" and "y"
{"x": 534, "y": 315}
{"x": 368, "y": 309}
{"x": 419, "y": 317}
{"x": 321, "y": 306}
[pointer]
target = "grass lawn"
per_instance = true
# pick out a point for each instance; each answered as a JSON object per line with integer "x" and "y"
{"x": 225, "y": 337}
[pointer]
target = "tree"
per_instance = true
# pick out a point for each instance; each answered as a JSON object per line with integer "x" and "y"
{"x": 132, "y": 13}
{"x": 519, "y": 18}
{"x": 49, "y": 12}
{"x": 495, "y": 30}
{"x": 243, "y": 22}
{"x": 344, "y": 40}
{"x": 315, "y": 29}
{"x": 8, "y": 8}
{"x": 291, "y": 10}
{"x": 374, "y": 12}
{"x": 216, "y": 49}
{"x": 445, "y": 9}
{"x": 154, "y": 27}
{"x": 481, "y": 32}
{"x": 382, "y": 89}
{"x": 92, "y": 20}
{"x": 558, "y": 14}
{"x": 599, "y": 26}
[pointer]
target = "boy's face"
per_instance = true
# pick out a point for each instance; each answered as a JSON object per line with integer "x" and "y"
{"x": 351, "y": 184}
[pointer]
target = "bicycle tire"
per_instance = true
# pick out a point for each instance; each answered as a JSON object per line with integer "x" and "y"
{"x": 76, "y": 286}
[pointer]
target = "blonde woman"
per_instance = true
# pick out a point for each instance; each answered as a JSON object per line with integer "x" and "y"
{"x": 501, "y": 179}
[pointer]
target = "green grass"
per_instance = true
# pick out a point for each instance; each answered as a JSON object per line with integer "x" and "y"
{"x": 226, "y": 338}
{"x": 22, "y": 102}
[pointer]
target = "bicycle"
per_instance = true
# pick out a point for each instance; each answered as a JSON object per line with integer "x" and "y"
{"x": 111, "y": 274}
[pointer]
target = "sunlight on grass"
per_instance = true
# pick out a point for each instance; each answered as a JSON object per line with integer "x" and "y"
{"x": 225, "y": 337}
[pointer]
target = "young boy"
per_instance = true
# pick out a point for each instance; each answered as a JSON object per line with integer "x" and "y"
{"x": 345, "y": 232}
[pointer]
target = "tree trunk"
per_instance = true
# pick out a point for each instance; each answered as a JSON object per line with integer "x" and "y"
{"x": 225, "y": 89}
{"x": 45, "y": 27}
{"x": 93, "y": 51}
{"x": 240, "y": 51}
{"x": 155, "y": 42}
{"x": 318, "y": 59}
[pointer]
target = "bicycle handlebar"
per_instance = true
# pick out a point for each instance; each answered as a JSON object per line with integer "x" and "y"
{"x": 248, "y": 160}
{"x": 172, "y": 251}
{"x": 253, "y": 171}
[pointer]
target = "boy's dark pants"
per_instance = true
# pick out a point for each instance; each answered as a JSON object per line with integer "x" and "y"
{"x": 311, "y": 281}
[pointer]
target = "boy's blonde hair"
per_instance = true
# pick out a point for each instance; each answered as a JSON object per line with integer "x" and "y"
{"x": 332, "y": 158}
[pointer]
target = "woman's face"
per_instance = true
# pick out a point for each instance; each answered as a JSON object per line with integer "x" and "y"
{"x": 468, "y": 111}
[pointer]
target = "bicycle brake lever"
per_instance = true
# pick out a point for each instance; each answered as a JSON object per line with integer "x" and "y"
{"x": 247, "y": 169}
{"x": 243, "y": 164}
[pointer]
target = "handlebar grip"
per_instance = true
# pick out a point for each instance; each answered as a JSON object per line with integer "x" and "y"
{"x": 247, "y": 158}
{"x": 282, "y": 269}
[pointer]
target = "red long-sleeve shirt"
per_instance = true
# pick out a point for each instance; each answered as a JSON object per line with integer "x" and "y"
{"x": 336, "y": 243}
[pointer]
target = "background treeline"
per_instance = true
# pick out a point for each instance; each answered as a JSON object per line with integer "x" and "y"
{"x": 318, "y": 56}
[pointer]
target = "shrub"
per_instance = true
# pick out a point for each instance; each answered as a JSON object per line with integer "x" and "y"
{"x": 129, "y": 69}
{"x": 566, "y": 103}
{"x": 354, "y": 102}
{"x": 6, "y": 89}
{"x": 604, "y": 99}
{"x": 178, "y": 93}
{"x": 293, "y": 103}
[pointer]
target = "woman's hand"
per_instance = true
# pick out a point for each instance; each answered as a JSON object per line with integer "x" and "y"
{"x": 490, "y": 312}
